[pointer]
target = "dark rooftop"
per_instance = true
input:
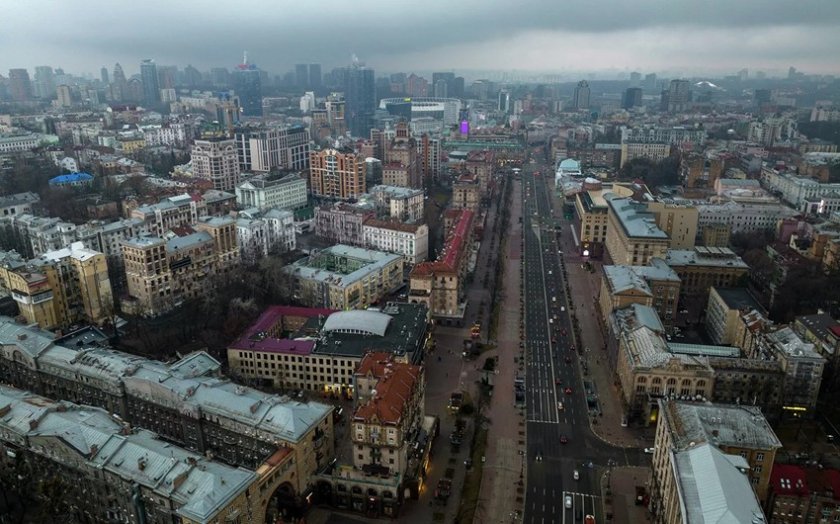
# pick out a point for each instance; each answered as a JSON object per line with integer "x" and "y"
{"x": 739, "y": 298}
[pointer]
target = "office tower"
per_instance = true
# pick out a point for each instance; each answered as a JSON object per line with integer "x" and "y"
{"x": 504, "y": 102}
{"x": 632, "y": 98}
{"x": 456, "y": 90}
{"x": 266, "y": 149}
{"x": 220, "y": 77}
{"x": 302, "y": 75}
{"x": 581, "y": 99}
{"x": 167, "y": 77}
{"x": 20, "y": 88}
{"x": 679, "y": 96}
{"x": 333, "y": 174}
{"x": 192, "y": 76}
{"x": 44, "y": 84}
{"x": 650, "y": 82}
{"x": 762, "y": 97}
{"x": 360, "y": 98}
{"x": 151, "y": 84}
{"x": 314, "y": 76}
{"x": 440, "y": 89}
{"x": 635, "y": 79}
{"x": 248, "y": 86}
{"x": 65, "y": 98}
{"x": 216, "y": 159}
{"x": 119, "y": 75}
{"x": 103, "y": 75}
{"x": 416, "y": 86}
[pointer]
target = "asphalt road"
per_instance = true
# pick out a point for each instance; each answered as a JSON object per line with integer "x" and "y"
{"x": 555, "y": 413}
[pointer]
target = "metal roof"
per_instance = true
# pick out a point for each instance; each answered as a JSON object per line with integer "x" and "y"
{"x": 362, "y": 322}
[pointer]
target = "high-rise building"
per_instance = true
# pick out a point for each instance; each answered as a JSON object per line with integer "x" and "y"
{"x": 44, "y": 85}
{"x": 266, "y": 149}
{"x": 65, "y": 98}
{"x": 103, "y": 75}
{"x": 456, "y": 90}
{"x": 582, "y": 92}
{"x": 20, "y": 87}
{"x": 151, "y": 83}
{"x": 635, "y": 79}
{"x": 248, "y": 86}
{"x": 220, "y": 77}
{"x": 441, "y": 89}
{"x": 167, "y": 76}
{"x": 334, "y": 174}
{"x": 504, "y": 102}
{"x": 632, "y": 98}
{"x": 679, "y": 95}
{"x": 360, "y": 98}
{"x": 314, "y": 76}
{"x": 216, "y": 159}
{"x": 301, "y": 76}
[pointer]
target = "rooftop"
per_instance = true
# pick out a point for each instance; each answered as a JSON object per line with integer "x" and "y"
{"x": 455, "y": 247}
{"x": 341, "y": 264}
{"x": 738, "y": 298}
{"x": 704, "y": 350}
{"x": 636, "y": 315}
{"x": 787, "y": 341}
{"x": 71, "y": 178}
{"x": 402, "y": 333}
{"x": 394, "y": 388}
{"x": 821, "y": 324}
{"x": 199, "y": 487}
{"x": 648, "y": 349}
{"x": 705, "y": 256}
{"x": 730, "y": 425}
{"x": 188, "y": 241}
{"x": 713, "y": 488}
{"x": 266, "y": 333}
{"x": 396, "y": 191}
{"x": 634, "y": 218}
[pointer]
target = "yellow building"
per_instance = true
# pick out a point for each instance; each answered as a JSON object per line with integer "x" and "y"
{"x": 678, "y": 221}
{"x": 592, "y": 212}
{"x": 334, "y": 174}
{"x": 131, "y": 145}
{"x": 656, "y": 286}
{"x": 61, "y": 287}
{"x": 633, "y": 237}
{"x": 650, "y": 150}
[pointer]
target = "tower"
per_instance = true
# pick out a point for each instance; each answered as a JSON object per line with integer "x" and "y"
{"x": 151, "y": 84}
{"x": 581, "y": 100}
{"x": 247, "y": 85}
{"x": 360, "y": 97}
{"x": 20, "y": 86}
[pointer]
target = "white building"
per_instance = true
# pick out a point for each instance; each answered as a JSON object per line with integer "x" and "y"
{"x": 172, "y": 134}
{"x": 18, "y": 204}
{"x": 743, "y": 217}
{"x": 665, "y": 135}
{"x": 401, "y": 203}
{"x": 266, "y": 149}
{"x": 261, "y": 233}
{"x": 307, "y": 102}
{"x": 216, "y": 160}
{"x": 271, "y": 192}
{"x": 794, "y": 189}
{"x": 408, "y": 240}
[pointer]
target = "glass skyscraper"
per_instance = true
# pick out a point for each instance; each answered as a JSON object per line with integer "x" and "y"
{"x": 151, "y": 84}
{"x": 360, "y": 100}
{"x": 247, "y": 85}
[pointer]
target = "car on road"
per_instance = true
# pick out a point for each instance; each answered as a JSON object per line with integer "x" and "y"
{"x": 576, "y": 475}
{"x": 568, "y": 391}
{"x": 564, "y": 439}
{"x": 650, "y": 451}
{"x": 589, "y": 519}
{"x": 559, "y": 406}
{"x": 539, "y": 457}
{"x": 568, "y": 502}
{"x": 562, "y": 308}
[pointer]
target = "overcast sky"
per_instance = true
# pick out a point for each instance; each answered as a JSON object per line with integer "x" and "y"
{"x": 527, "y": 35}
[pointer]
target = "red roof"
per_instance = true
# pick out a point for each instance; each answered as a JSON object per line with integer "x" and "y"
{"x": 454, "y": 248}
{"x": 394, "y": 387}
{"x": 786, "y": 479}
{"x": 835, "y": 330}
{"x": 258, "y": 337}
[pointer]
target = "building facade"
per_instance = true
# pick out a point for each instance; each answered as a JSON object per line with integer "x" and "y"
{"x": 216, "y": 160}
{"x": 337, "y": 175}
{"x": 633, "y": 237}
{"x": 409, "y": 240}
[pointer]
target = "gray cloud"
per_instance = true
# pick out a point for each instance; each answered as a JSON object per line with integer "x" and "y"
{"x": 83, "y": 35}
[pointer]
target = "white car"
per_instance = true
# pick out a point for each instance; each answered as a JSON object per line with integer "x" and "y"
{"x": 576, "y": 475}
{"x": 649, "y": 451}
{"x": 568, "y": 502}
{"x": 562, "y": 308}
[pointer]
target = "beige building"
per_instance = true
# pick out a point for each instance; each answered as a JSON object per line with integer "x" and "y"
{"x": 61, "y": 287}
{"x": 345, "y": 277}
{"x": 703, "y": 267}
{"x": 215, "y": 159}
{"x": 655, "y": 285}
{"x": 650, "y": 150}
{"x": 465, "y": 193}
{"x": 725, "y": 314}
{"x": 402, "y": 164}
{"x": 334, "y": 174}
{"x": 678, "y": 221}
{"x": 699, "y": 475}
{"x": 716, "y": 235}
{"x": 737, "y": 430}
{"x": 162, "y": 274}
{"x": 633, "y": 237}
{"x": 592, "y": 212}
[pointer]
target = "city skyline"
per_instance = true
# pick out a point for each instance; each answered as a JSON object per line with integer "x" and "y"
{"x": 543, "y": 36}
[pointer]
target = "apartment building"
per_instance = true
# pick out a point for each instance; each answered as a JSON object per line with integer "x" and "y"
{"x": 163, "y": 273}
{"x": 823, "y": 331}
{"x": 439, "y": 284}
{"x": 61, "y": 287}
{"x": 342, "y": 223}
{"x": 265, "y": 149}
{"x": 803, "y": 367}
{"x": 170, "y": 212}
{"x": 736, "y": 430}
{"x": 335, "y": 174}
{"x": 188, "y": 402}
{"x": 800, "y": 495}
{"x": 466, "y": 193}
{"x": 749, "y": 381}
{"x": 480, "y": 165}
{"x": 702, "y": 268}
{"x": 724, "y": 312}
{"x": 102, "y": 469}
{"x": 678, "y": 221}
{"x": 669, "y": 135}
{"x": 592, "y": 215}
{"x": 655, "y": 151}
{"x": 656, "y": 285}
{"x": 316, "y": 349}
{"x": 400, "y": 203}
{"x": 743, "y": 217}
{"x": 409, "y": 240}
{"x": 278, "y": 191}
{"x": 401, "y": 162}
{"x": 633, "y": 237}
{"x": 345, "y": 277}
{"x": 19, "y": 204}
{"x": 215, "y": 159}
{"x": 260, "y": 233}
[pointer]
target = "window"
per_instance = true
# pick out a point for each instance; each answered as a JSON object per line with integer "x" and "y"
{"x": 759, "y": 457}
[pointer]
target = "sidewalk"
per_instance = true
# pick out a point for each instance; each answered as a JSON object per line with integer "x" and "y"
{"x": 584, "y": 287}
{"x": 501, "y": 497}
{"x": 620, "y": 497}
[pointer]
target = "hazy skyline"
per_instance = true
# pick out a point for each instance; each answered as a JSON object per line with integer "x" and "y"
{"x": 716, "y": 36}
